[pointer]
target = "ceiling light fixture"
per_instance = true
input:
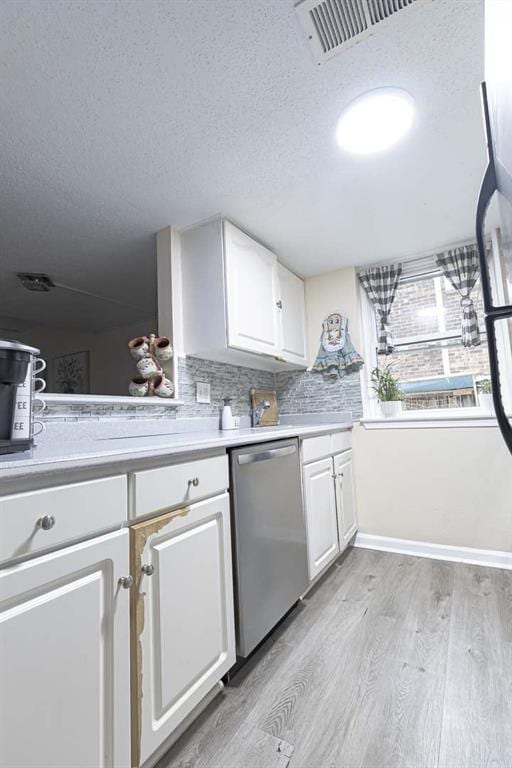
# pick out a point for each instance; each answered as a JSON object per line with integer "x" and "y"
{"x": 375, "y": 121}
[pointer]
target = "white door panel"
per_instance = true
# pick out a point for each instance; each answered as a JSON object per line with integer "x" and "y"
{"x": 292, "y": 315}
{"x": 185, "y": 613}
{"x": 347, "y": 512}
{"x": 251, "y": 299}
{"x": 64, "y": 658}
{"x": 176, "y": 561}
{"x": 321, "y": 521}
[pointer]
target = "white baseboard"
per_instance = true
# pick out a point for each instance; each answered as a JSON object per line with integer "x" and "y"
{"x": 489, "y": 557}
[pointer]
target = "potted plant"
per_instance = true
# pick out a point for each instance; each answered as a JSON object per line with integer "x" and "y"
{"x": 387, "y": 388}
{"x": 484, "y": 389}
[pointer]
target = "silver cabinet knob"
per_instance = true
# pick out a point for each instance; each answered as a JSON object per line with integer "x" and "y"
{"x": 194, "y": 482}
{"x": 279, "y": 304}
{"x": 125, "y": 582}
{"x": 340, "y": 474}
{"x": 148, "y": 569}
{"x": 47, "y": 522}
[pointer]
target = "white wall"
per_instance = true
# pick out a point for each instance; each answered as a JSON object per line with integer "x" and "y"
{"x": 332, "y": 292}
{"x": 445, "y": 485}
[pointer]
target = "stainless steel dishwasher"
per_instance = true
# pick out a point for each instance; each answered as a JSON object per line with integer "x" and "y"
{"x": 270, "y": 559}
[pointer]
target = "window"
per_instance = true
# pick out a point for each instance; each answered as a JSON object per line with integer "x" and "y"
{"x": 434, "y": 369}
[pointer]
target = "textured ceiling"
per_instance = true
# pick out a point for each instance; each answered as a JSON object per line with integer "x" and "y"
{"x": 119, "y": 118}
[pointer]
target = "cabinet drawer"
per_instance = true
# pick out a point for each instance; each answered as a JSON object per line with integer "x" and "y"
{"x": 341, "y": 441}
{"x": 74, "y": 511}
{"x": 315, "y": 448}
{"x": 160, "y": 489}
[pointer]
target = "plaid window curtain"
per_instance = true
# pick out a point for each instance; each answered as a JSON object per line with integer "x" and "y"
{"x": 380, "y": 283}
{"x": 461, "y": 267}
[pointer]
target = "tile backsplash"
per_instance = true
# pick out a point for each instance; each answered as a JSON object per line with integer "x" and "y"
{"x": 95, "y": 412}
{"x": 225, "y": 381}
{"x": 301, "y": 391}
{"x": 297, "y": 392}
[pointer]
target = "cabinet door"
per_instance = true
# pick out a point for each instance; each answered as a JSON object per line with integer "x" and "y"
{"x": 64, "y": 658}
{"x": 183, "y": 638}
{"x": 251, "y": 293}
{"x": 321, "y": 521}
{"x": 347, "y": 513}
{"x": 292, "y": 316}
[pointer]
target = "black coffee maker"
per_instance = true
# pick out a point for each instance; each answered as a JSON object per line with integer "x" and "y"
{"x": 16, "y": 395}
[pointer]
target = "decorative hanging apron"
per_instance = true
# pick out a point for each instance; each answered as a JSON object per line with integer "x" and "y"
{"x": 336, "y": 356}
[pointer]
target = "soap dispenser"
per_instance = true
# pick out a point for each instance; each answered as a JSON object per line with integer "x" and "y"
{"x": 228, "y": 421}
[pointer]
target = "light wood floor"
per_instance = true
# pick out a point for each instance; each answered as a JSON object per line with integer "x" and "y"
{"x": 390, "y": 662}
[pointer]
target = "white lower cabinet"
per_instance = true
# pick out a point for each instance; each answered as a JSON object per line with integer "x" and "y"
{"x": 321, "y": 519}
{"x": 347, "y": 516}
{"x": 64, "y": 658}
{"x": 183, "y": 636}
{"x": 331, "y": 517}
{"x": 96, "y": 675}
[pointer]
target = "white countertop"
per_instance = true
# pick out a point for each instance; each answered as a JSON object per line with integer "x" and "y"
{"x": 64, "y": 456}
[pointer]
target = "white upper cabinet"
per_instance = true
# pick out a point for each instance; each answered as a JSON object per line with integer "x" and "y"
{"x": 239, "y": 304}
{"x": 291, "y": 303}
{"x": 251, "y": 293}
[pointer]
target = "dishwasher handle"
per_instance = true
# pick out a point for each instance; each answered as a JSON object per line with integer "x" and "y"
{"x": 274, "y": 453}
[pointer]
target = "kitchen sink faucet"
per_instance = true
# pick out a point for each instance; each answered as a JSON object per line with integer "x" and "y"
{"x": 258, "y": 412}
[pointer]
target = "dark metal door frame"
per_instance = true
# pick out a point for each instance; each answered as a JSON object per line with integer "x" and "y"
{"x": 492, "y": 314}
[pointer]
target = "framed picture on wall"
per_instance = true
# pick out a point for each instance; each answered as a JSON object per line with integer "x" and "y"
{"x": 71, "y": 373}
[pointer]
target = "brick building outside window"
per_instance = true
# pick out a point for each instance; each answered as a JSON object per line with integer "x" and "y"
{"x": 434, "y": 369}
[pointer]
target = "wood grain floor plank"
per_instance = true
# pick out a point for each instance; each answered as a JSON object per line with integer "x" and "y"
{"x": 340, "y": 724}
{"x": 353, "y": 576}
{"x": 252, "y": 748}
{"x": 303, "y": 683}
{"x": 201, "y": 744}
{"x": 502, "y": 584}
{"x": 296, "y": 692}
{"x": 407, "y": 732}
{"x": 389, "y": 662}
{"x": 477, "y": 721}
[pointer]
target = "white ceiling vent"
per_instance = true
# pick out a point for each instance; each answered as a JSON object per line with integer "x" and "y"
{"x": 334, "y": 25}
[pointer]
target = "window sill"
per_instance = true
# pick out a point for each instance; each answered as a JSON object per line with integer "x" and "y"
{"x": 430, "y": 421}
